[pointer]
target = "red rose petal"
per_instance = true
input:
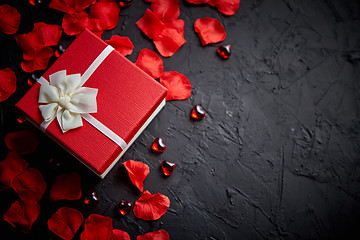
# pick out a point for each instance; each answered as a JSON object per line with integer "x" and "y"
{"x": 22, "y": 142}
{"x": 227, "y": 7}
{"x": 121, "y": 44}
{"x": 158, "y": 235}
{"x": 39, "y": 62}
{"x": 107, "y": 11}
{"x": 71, "y": 6}
{"x": 151, "y": 206}
{"x": 166, "y": 10}
{"x": 168, "y": 42}
{"x": 177, "y": 84}
{"x": 7, "y": 83}
{"x": 22, "y": 214}
{"x": 177, "y": 24}
{"x": 65, "y": 222}
{"x": 150, "y": 62}
{"x": 120, "y": 235}
{"x": 197, "y": 1}
{"x": 66, "y": 186}
{"x": 150, "y": 24}
{"x": 29, "y": 185}
{"x": 12, "y": 166}
{"x": 9, "y": 19}
{"x": 75, "y": 23}
{"x": 50, "y": 33}
{"x": 137, "y": 172}
{"x": 97, "y": 227}
{"x": 209, "y": 30}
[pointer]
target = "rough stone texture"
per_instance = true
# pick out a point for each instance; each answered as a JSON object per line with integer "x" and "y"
{"x": 276, "y": 157}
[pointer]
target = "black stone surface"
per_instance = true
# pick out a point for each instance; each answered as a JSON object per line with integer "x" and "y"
{"x": 277, "y": 155}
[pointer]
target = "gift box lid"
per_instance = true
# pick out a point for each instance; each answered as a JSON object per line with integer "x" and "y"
{"x": 127, "y": 99}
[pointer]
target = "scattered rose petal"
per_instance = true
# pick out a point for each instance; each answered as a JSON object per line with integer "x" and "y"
{"x": 29, "y": 185}
{"x": 22, "y": 214}
{"x": 137, "y": 172}
{"x": 151, "y": 206}
{"x": 97, "y": 227}
{"x": 75, "y": 23}
{"x": 65, "y": 222}
{"x": 22, "y": 142}
{"x": 166, "y": 10}
{"x": 121, "y": 44}
{"x": 158, "y": 235}
{"x": 227, "y": 7}
{"x": 150, "y": 24}
{"x": 209, "y": 30}
{"x": 9, "y": 19}
{"x": 107, "y": 11}
{"x": 12, "y": 166}
{"x": 150, "y": 62}
{"x": 169, "y": 41}
{"x": 177, "y": 84}
{"x": 7, "y": 83}
{"x": 71, "y": 6}
{"x": 39, "y": 62}
{"x": 177, "y": 24}
{"x": 66, "y": 186}
{"x": 120, "y": 235}
{"x": 197, "y": 1}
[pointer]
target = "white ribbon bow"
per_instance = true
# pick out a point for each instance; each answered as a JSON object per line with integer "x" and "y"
{"x": 66, "y": 100}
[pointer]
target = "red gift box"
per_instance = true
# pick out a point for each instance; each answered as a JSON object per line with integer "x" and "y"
{"x": 127, "y": 100}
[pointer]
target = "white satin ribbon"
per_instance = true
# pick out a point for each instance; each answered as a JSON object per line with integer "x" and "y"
{"x": 64, "y": 98}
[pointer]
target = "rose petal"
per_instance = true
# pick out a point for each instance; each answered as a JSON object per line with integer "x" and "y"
{"x": 177, "y": 84}
{"x": 66, "y": 186}
{"x": 169, "y": 41}
{"x": 121, "y": 44}
{"x": 22, "y": 214}
{"x": 120, "y": 235}
{"x": 22, "y": 142}
{"x": 209, "y": 30}
{"x": 158, "y": 235}
{"x": 9, "y": 19}
{"x": 12, "y": 166}
{"x": 29, "y": 185}
{"x": 177, "y": 24}
{"x": 71, "y": 6}
{"x": 166, "y": 10}
{"x": 150, "y": 24}
{"x": 75, "y": 23}
{"x": 50, "y": 33}
{"x": 197, "y": 1}
{"x": 97, "y": 227}
{"x": 107, "y": 11}
{"x": 137, "y": 172}
{"x": 150, "y": 63}
{"x": 151, "y": 206}
{"x": 39, "y": 62}
{"x": 7, "y": 83}
{"x": 227, "y": 7}
{"x": 65, "y": 222}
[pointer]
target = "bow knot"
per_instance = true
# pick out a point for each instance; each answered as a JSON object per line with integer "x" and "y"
{"x": 65, "y": 99}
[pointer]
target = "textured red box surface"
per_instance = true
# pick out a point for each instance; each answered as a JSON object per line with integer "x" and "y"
{"x": 127, "y": 98}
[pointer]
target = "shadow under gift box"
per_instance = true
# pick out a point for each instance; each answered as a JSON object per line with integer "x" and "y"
{"x": 127, "y": 100}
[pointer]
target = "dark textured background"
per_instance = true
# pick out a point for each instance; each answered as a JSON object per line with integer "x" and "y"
{"x": 277, "y": 156}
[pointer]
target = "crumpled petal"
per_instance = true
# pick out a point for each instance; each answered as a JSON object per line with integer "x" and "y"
{"x": 39, "y": 62}
{"x": 120, "y": 235}
{"x": 66, "y": 186}
{"x": 70, "y": 6}
{"x": 177, "y": 84}
{"x": 151, "y": 206}
{"x": 157, "y": 235}
{"x": 166, "y": 10}
{"x": 137, "y": 172}
{"x": 74, "y": 24}
{"x": 7, "y": 83}
{"x": 169, "y": 41}
{"x": 150, "y": 24}
{"x": 22, "y": 214}
{"x": 9, "y": 19}
{"x": 29, "y": 185}
{"x": 10, "y": 168}
{"x": 227, "y": 7}
{"x": 121, "y": 44}
{"x": 150, "y": 63}
{"x": 97, "y": 227}
{"x": 22, "y": 142}
{"x": 209, "y": 30}
{"x": 107, "y": 11}
{"x": 65, "y": 222}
